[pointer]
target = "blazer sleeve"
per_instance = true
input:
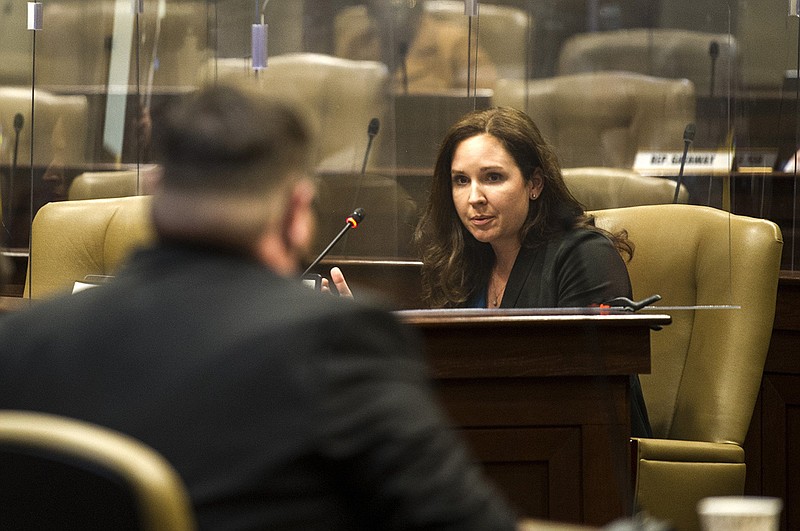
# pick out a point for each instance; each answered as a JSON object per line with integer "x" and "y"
{"x": 385, "y": 434}
{"x": 589, "y": 270}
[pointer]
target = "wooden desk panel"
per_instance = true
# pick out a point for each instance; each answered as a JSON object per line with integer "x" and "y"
{"x": 543, "y": 400}
{"x": 772, "y": 446}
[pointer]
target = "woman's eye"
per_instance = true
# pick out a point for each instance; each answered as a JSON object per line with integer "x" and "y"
{"x": 460, "y": 180}
{"x": 494, "y": 177}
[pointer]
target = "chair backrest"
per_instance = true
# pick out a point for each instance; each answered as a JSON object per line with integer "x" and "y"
{"x": 116, "y": 183}
{"x": 599, "y": 188}
{"x": 60, "y": 129}
{"x": 604, "y": 118}
{"x": 342, "y": 95}
{"x": 73, "y": 239}
{"x": 659, "y": 52}
{"x": 56, "y": 472}
{"x": 390, "y": 216}
{"x": 503, "y": 32}
{"x": 707, "y": 364}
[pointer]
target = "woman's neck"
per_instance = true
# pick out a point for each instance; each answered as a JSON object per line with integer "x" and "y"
{"x": 505, "y": 256}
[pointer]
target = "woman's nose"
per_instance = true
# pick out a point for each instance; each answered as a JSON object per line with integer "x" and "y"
{"x": 476, "y": 194}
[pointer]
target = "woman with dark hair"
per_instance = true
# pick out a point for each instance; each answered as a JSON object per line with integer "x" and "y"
{"x": 501, "y": 229}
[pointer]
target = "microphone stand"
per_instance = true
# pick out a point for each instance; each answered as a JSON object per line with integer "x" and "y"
{"x": 351, "y": 223}
{"x": 18, "y": 122}
{"x": 713, "y": 51}
{"x": 372, "y": 131}
{"x": 688, "y": 136}
{"x": 402, "y": 49}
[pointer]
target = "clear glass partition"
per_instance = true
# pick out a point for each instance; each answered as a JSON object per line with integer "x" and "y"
{"x": 613, "y": 85}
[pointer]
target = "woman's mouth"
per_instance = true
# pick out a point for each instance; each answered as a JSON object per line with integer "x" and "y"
{"x": 481, "y": 220}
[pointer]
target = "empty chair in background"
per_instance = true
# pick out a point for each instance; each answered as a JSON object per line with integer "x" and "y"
{"x": 604, "y": 118}
{"x": 600, "y": 188}
{"x": 709, "y": 60}
{"x": 426, "y": 49}
{"x": 341, "y": 95}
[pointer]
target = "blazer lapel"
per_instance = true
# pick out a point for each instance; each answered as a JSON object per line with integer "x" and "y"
{"x": 520, "y": 278}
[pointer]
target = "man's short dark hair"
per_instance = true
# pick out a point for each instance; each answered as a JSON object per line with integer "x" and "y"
{"x": 230, "y": 139}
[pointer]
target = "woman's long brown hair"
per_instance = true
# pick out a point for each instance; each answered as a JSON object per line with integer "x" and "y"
{"x": 454, "y": 264}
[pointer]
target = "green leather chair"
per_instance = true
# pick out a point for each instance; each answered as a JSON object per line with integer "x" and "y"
{"x": 707, "y": 365}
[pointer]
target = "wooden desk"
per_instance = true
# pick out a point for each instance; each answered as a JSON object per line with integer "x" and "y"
{"x": 543, "y": 400}
{"x": 772, "y": 446}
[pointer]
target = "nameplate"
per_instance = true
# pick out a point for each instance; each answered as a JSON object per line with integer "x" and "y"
{"x": 79, "y": 286}
{"x": 756, "y": 160}
{"x": 90, "y": 281}
{"x": 668, "y": 163}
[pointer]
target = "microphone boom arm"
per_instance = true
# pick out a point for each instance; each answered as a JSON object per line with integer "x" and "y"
{"x": 352, "y": 222}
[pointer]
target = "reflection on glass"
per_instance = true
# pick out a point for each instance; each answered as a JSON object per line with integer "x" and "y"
{"x": 417, "y": 65}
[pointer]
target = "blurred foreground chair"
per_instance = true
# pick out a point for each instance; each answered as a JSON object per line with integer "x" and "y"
{"x": 599, "y": 188}
{"x": 73, "y": 239}
{"x": 604, "y": 118}
{"x": 661, "y": 52}
{"x": 59, "y": 473}
{"x": 341, "y": 95}
{"x": 707, "y": 365}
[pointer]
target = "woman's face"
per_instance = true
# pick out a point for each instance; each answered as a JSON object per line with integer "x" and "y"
{"x": 490, "y": 194}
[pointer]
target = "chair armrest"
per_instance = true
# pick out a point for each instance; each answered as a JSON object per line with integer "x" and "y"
{"x": 686, "y": 451}
{"x": 672, "y": 476}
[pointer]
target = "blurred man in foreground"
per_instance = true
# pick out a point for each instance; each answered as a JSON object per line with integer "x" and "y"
{"x": 280, "y": 407}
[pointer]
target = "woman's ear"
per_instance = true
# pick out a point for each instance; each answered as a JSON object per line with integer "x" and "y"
{"x": 536, "y": 184}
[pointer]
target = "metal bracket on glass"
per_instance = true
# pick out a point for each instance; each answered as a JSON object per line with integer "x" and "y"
{"x": 471, "y": 8}
{"x": 259, "y": 45}
{"x": 35, "y": 16}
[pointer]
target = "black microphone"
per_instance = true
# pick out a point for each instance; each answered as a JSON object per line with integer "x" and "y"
{"x": 351, "y": 222}
{"x": 402, "y": 50}
{"x": 19, "y": 121}
{"x": 372, "y": 131}
{"x": 713, "y": 51}
{"x": 688, "y": 136}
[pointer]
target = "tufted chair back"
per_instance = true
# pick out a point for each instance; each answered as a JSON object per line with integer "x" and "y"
{"x": 60, "y": 129}
{"x": 342, "y": 96}
{"x": 599, "y": 188}
{"x": 661, "y": 52}
{"x": 72, "y": 239}
{"x": 707, "y": 364}
{"x": 503, "y": 32}
{"x": 114, "y": 183}
{"x": 604, "y": 118}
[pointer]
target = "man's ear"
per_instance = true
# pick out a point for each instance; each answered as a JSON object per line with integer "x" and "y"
{"x": 288, "y": 239}
{"x": 300, "y": 220}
